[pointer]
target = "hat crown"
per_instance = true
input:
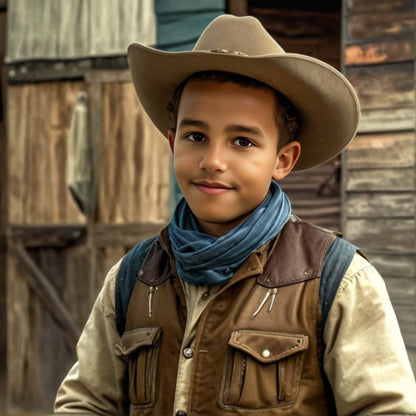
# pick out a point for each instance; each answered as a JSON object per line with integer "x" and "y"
{"x": 243, "y": 35}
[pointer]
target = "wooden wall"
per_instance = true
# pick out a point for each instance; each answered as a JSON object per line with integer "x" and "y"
{"x": 38, "y": 127}
{"x": 314, "y": 193}
{"x": 379, "y": 191}
{"x": 135, "y": 161}
{"x": 3, "y": 212}
{"x": 57, "y": 257}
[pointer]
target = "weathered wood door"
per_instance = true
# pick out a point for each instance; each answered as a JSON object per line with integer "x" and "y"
{"x": 57, "y": 257}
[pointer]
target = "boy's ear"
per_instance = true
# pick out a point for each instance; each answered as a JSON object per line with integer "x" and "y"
{"x": 171, "y": 138}
{"x": 287, "y": 157}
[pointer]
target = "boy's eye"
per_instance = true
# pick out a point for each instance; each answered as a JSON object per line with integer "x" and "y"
{"x": 243, "y": 142}
{"x": 195, "y": 137}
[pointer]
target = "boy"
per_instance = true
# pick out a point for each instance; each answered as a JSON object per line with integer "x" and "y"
{"x": 239, "y": 308}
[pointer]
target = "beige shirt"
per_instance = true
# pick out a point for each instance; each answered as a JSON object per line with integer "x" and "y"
{"x": 365, "y": 358}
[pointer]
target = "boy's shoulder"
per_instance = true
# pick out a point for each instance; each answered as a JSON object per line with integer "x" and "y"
{"x": 126, "y": 278}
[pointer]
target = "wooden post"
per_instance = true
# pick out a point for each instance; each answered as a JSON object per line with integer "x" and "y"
{"x": 237, "y": 7}
{"x": 3, "y": 214}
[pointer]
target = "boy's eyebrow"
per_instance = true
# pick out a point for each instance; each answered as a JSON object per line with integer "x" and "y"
{"x": 232, "y": 128}
{"x": 191, "y": 122}
{"x": 235, "y": 128}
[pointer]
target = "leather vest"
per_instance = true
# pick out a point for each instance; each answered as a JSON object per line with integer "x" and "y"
{"x": 243, "y": 364}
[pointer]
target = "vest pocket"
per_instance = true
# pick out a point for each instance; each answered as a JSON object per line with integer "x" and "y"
{"x": 140, "y": 349}
{"x": 263, "y": 369}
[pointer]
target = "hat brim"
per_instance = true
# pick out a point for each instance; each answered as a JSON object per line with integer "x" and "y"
{"x": 326, "y": 102}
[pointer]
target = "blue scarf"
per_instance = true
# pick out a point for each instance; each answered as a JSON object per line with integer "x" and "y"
{"x": 203, "y": 260}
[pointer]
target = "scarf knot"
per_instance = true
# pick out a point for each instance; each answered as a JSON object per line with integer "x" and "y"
{"x": 204, "y": 260}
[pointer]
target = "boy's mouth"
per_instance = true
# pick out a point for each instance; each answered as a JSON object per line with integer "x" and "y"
{"x": 211, "y": 188}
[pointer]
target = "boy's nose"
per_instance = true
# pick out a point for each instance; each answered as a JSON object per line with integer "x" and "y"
{"x": 213, "y": 159}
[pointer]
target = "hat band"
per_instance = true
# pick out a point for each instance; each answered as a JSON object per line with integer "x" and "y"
{"x": 228, "y": 51}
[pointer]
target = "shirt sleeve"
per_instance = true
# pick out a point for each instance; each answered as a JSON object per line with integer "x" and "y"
{"x": 96, "y": 382}
{"x": 365, "y": 358}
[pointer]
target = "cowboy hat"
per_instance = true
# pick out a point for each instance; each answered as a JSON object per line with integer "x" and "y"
{"x": 326, "y": 102}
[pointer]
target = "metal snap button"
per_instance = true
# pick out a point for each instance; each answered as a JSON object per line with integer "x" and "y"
{"x": 188, "y": 352}
{"x": 266, "y": 353}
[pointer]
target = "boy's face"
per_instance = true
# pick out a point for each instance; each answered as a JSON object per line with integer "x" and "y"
{"x": 226, "y": 151}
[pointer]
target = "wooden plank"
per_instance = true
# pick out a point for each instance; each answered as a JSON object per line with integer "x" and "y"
{"x": 313, "y": 213}
{"x": 4, "y": 186}
{"x": 383, "y": 86}
{"x": 377, "y": 6}
{"x": 388, "y": 235}
{"x": 115, "y": 68}
{"x": 40, "y": 284}
{"x": 401, "y": 291}
{"x": 394, "y": 265}
{"x": 380, "y": 205}
{"x": 314, "y": 33}
{"x": 387, "y": 50}
{"x": 374, "y": 180}
{"x": 101, "y": 76}
{"x": 76, "y": 283}
{"x": 35, "y": 338}
{"x": 4, "y": 326}
{"x": 37, "y": 153}
{"x": 323, "y": 202}
{"x": 375, "y": 25}
{"x": 3, "y": 217}
{"x": 47, "y": 235}
{"x": 3, "y": 34}
{"x": 382, "y": 151}
{"x": 127, "y": 235}
{"x": 315, "y": 194}
{"x": 237, "y": 7}
{"x": 319, "y": 48}
{"x": 20, "y": 354}
{"x": 296, "y": 23}
{"x": 136, "y": 190}
{"x": 387, "y": 120}
{"x": 18, "y": 73}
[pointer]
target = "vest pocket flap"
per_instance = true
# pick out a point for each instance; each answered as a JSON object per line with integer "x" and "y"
{"x": 268, "y": 347}
{"x": 137, "y": 338}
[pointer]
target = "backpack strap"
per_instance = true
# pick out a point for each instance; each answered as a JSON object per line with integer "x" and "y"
{"x": 126, "y": 279}
{"x": 337, "y": 260}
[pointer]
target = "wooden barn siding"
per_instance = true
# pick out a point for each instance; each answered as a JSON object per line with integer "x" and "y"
{"x": 315, "y": 193}
{"x": 134, "y": 157}
{"x": 135, "y": 161}
{"x": 72, "y": 255}
{"x": 62, "y": 29}
{"x": 3, "y": 214}
{"x": 379, "y": 188}
{"x": 39, "y": 117}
